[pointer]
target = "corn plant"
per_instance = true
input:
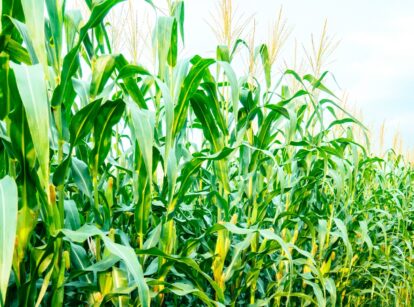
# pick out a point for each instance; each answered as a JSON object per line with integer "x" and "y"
{"x": 185, "y": 182}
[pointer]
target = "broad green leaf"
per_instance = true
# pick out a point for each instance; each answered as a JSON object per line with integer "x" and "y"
{"x": 72, "y": 219}
{"x": 317, "y": 83}
{"x": 343, "y": 233}
{"x": 55, "y": 12}
{"x": 130, "y": 84}
{"x": 15, "y": 50}
{"x": 31, "y": 84}
{"x": 120, "y": 281}
{"x": 126, "y": 253}
{"x": 188, "y": 89}
{"x": 27, "y": 39}
{"x": 231, "y": 76}
{"x": 238, "y": 249}
{"x": 184, "y": 289}
{"x": 166, "y": 43}
{"x": 35, "y": 22}
{"x": 80, "y": 126}
{"x": 185, "y": 260}
{"x": 63, "y": 93}
{"x": 82, "y": 90}
{"x": 179, "y": 14}
{"x": 8, "y": 222}
{"x": 130, "y": 70}
{"x": 142, "y": 123}
{"x": 81, "y": 176}
{"x": 102, "y": 69}
{"x": 72, "y": 21}
{"x": 169, "y": 117}
{"x": 200, "y": 104}
{"x": 109, "y": 115}
{"x": 331, "y": 288}
{"x": 4, "y": 86}
{"x": 264, "y": 55}
{"x": 223, "y": 53}
{"x": 83, "y": 121}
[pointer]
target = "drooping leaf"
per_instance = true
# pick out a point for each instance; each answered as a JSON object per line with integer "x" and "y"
{"x": 109, "y": 114}
{"x": 166, "y": 43}
{"x": 8, "y": 222}
{"x": 81, "y": 176}
{"x": 35, "y": 21}
{"x": 31, "y": 84}
{"x": 231, "y": 76}
{"x": 55, "y": 12}
{"x": 83, "y": 121}
{"x": 125, "y": 253}
{"x": 102, "y": 69}
{"x": 264, "y": 55}
{"x": 142, "y": 123}
{"x": 130, "y": 83}
{"x": 188, "y": 89}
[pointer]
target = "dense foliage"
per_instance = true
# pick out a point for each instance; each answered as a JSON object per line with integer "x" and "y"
{"x": 185, "y": 183}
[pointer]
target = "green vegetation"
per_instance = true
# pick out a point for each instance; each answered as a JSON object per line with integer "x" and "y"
{"x": 186, "y": 183}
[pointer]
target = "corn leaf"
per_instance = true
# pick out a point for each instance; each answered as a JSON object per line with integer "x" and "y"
{"x": 8, "y": 219}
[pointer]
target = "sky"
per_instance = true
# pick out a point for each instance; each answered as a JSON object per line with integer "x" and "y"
{"x": 373, "y": 63}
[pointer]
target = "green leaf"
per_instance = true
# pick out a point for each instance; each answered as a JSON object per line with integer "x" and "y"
{"x": 82, "y": 122}
{"x": 185, "y": 260}
{"x": 188, "y": 89}
{"x": 317, "y": 83}
{"x": 169, "y": 117}
{"x": 238, "y": 249}
{"x": 14, "y": 49}
{"x": 4, "y": 86}
{"x": 82, "y": 90}
{"x": 1, "y": 14}
{"x": 120, "y": 281}
{"x": 130, "y": 70}
{"x": 166, "y": 43}
{"x": 99, "y": 10}
{"x": 343, "y": 234}
{"x": 231, "y": 76}
{"x": 142, "y": 124}
{"x": 81, "y": 176}
{"x": 35, "y": 22}
{"x": 72, "y": 22}
{"x": 31, "y": 84}
{"x": 102, "y": 69}
{"x": 109, "y": 115}
{"x": 80, "y": 126}
{"x": 223, "y": 53}
{"x": 130, "y": 83}
{"x": 341, "y": 122}
{"x": 8, "y": 222}
{"x": 55, "y": 12}
{"x": 63, "y": 93}
{"x": 125, "y": 253}
{"x": 22, "y": 28}
{"x": 72, "y": 218}
{"x": 179, "y": 14}
{"x": 264, "y": 55}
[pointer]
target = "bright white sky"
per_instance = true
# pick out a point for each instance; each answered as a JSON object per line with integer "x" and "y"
{"x": 374, "y": 62}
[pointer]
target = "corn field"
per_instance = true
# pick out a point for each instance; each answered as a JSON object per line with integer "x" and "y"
{"x": 186, "y": 182}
